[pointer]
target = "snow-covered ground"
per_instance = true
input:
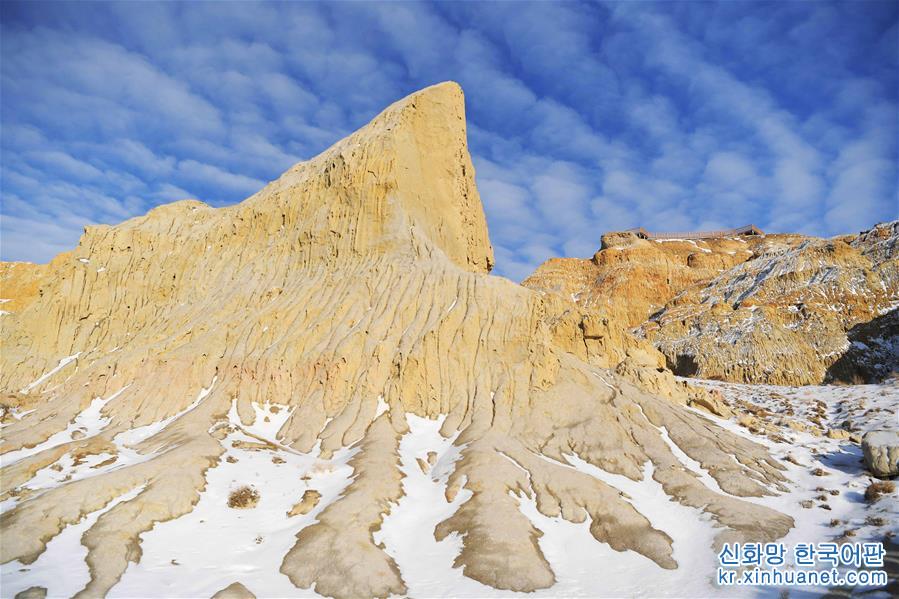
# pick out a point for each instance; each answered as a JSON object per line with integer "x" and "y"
{"x": 60, "y": 569}
{"x": 215, "y": 545}
{"x": 828, "y": 505}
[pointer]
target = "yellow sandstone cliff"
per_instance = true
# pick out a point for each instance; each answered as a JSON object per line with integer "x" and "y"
{"x": 352, "y": 290}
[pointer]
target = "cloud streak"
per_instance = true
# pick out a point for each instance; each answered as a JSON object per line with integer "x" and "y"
{"x": 583, "y": 117}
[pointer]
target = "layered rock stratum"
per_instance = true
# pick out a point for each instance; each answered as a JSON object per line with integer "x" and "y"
{"x": 315, "y": 321}
{"x": 777, "y": 309}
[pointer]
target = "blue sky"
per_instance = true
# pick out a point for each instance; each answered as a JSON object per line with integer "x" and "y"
{"x": 583, "y": 117}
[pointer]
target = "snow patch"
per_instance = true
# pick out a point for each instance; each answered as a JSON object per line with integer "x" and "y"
{"x": 425, "y": 564}
{"x": 62, "y": 364}
{"x": 215, "y": 545}
{"x": 134, "y": 436}
{"x": 89, "y": 423}
{"x": 382, "y": 406}
{"x": 60, "y": 569}
{"x": 577, "y": 557}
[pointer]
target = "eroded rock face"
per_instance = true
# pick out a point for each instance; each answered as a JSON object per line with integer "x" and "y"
{"x": 778, "y": 309}
{"x": 609, "y": 344}
{"x": 873, "y": 353}
{"x": 352, "y": 291}
{"x": 629, "y": 278}
{"x": 19, "y": 284}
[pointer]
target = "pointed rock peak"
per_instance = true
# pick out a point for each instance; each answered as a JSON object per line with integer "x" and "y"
{"x": 436, "y": 176}
{"x": 405, "y": 180}
{"x": 401, "y": 186}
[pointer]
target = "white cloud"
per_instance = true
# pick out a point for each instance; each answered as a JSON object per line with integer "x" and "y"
{"x": 92, "y": 73}
{"x": 29, "y": 240}
{"x": 207, "y": 174}
{"x": 728, "y": 170}
{"x": 67, "y": 165}
{"x": 858, "y": 192}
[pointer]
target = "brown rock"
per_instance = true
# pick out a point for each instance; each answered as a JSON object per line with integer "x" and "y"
{"x": 778, "y": 309}
{"x": 235, "y": 590}
{"x": 306, "y": 504}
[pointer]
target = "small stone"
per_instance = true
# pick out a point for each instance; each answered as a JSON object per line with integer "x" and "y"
{"x": 306, "y": 504}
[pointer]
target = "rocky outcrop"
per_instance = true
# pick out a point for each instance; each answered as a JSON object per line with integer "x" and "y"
{"x": 778, "y": 309}
{"x": 630, "y": 278}
{"x": 612, "y": 346}
{"x": 351, "y": 292}
{"x": 881, "y": 451}
{"x": 873, "y": 353}
{"x": 306, "y": 504}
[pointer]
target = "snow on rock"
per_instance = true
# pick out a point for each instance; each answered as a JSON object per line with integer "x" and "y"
{"x": 827, "y": 475}
{"x": 62, "y": 364}
{"x": 382, "y": 406}
{"x": 134, "y": 436}
{"x": 426, "y": 564}
{"x": 214, "y": 545}
{"x": 88, "y": 423}
{"x": 585, "y": 568}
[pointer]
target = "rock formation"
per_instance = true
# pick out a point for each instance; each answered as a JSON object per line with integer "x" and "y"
{"x": 351, "y": 291}
{"x": 881, "y": 451}
{"x": 234, "y": 591}
{"x": 777, "y": 309}
{"x": 873, "y": 353}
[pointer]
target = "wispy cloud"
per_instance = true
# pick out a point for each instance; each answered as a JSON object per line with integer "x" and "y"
{"x": 583, "y": 117}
